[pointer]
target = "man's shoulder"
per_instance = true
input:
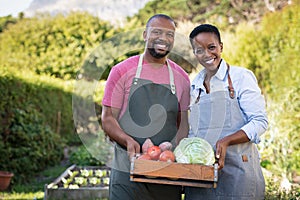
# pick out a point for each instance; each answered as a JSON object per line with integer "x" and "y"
{"x": 179, "y": 69}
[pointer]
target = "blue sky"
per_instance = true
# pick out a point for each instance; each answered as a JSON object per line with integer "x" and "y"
{"x": 13, "y": 7}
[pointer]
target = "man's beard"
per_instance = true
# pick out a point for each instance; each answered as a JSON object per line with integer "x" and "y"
{"x": 157, "y": 55}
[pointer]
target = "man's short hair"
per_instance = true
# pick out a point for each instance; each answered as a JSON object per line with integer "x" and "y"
{"x": 159, "y": 16}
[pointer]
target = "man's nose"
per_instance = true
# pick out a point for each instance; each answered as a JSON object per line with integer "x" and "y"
{"x": 163, "y": 36}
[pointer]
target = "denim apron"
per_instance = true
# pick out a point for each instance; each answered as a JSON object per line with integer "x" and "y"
{"x": 212, "y": 117}
{"x": 151, "y": 113}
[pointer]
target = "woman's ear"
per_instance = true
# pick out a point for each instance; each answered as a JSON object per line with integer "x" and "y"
{"x": 221, "y": 45}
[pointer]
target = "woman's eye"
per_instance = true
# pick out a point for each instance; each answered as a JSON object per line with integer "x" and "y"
{"x": 199, "y": 51}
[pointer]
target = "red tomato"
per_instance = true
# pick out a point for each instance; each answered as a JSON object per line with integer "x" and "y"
{"x": 154, "y": 152}
{"x": 144, "y": 157}
{"x": 167, "y": 156}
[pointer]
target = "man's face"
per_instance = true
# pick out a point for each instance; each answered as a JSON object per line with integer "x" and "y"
{"x": 159, "y": 37}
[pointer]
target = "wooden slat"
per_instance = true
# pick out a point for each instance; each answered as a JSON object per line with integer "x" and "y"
{"x": 175, "y": 182}
{"x": 173, "y": 170}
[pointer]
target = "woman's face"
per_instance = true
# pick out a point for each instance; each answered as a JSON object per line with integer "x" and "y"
{"x": 207, "y": 50}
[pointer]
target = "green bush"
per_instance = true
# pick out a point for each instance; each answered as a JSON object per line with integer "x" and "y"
{"x": 275, "y": 192}
{"x": 270, "y": 52}
{"x": 43, "y": 94}
{"x": 52, "y": 45}
{"x": 28, "y": 146}
{"x": 35, "y": 122}
{"x": 83, "y": 157}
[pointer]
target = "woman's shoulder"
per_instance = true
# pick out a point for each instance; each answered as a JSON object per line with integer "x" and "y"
{"x": 241, "y": 71}
{"x": 242, "y": 74}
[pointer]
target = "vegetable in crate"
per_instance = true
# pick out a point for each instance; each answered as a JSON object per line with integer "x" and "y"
{"x": 154, "y": 152}
{"x": 194, "y": 150}
{"x": 146, "y": 145}
{"x": 144, "y": 157}
{"x": 166, "y": 146}
{"x": 167, "y": 156}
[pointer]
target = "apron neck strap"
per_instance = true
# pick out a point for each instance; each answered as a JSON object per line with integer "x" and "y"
{"x": 139, "y": 70}
{"x": 230, "y": 87}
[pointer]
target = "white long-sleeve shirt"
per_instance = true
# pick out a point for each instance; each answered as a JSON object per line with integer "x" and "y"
{"x": 251, "y": 101}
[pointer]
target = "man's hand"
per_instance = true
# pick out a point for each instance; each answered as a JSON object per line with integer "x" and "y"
{"x": 133, "y": 147}
{"x": 112, "y": 128}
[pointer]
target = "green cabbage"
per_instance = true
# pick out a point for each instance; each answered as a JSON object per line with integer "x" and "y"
{"x": 194, "y": 150}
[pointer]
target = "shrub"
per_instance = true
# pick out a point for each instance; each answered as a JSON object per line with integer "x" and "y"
{"x": 28, "y": 146}
{"x": 84, "y": 156}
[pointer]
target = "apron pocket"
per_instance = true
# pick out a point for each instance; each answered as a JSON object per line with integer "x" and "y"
{"x": 237, "y": 178}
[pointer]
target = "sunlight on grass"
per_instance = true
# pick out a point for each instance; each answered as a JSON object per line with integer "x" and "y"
{"x": 16, "y": 196}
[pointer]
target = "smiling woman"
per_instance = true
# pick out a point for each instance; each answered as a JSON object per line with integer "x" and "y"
{"x": 13, "y": 7}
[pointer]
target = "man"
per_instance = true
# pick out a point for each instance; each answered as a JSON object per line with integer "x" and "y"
{"x": 146, "y": 96}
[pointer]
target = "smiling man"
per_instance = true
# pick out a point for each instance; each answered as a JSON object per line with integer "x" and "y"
{"x": 146, "y": 96}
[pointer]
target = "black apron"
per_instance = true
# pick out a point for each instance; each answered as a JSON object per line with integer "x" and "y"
{"x": 151, "y": 112}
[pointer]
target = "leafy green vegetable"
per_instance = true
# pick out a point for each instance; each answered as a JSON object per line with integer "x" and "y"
{"x": 194, "y": 150}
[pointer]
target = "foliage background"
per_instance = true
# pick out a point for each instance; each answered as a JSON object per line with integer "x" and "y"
{"x": 41, "y": 58}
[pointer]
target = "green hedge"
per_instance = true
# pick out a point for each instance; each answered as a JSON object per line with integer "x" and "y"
{"x": 35, "y": 123}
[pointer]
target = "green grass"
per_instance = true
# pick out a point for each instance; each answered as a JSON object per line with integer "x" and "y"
{"x": 34, "y": 189}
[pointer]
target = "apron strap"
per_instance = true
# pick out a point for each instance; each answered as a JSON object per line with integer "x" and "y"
{"x": 172, "y": 84}
{"x": 139, "y": 70}
{"x": 230, "y": 87}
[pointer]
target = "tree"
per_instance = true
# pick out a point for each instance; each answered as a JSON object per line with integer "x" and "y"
{"x": 235, "y": 11}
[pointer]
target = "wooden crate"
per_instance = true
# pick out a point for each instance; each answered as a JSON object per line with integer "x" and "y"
{"x": 194, "y": 175}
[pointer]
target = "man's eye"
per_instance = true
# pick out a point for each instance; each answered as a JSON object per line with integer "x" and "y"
{"x": 170, "y": 35}
{"x": 156, "y": 32}
{"x": 212, "y": 47}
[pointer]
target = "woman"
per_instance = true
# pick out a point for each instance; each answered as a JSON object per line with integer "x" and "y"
{"x": 228, "y": 110}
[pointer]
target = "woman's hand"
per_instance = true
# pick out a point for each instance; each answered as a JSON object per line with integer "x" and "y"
{"x": 221, "y": 148}
{"x": 222, "y": 144}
